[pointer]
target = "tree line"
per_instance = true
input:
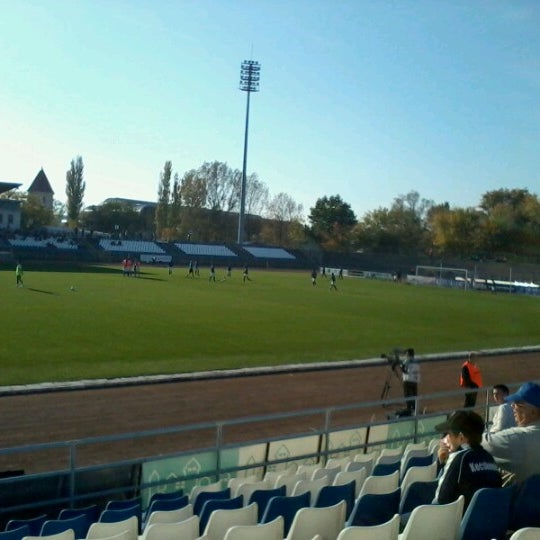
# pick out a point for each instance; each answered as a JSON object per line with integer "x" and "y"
{"x": 202, "y": 206}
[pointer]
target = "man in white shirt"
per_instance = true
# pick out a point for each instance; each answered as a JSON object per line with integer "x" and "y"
{"x": 504, "y": 416}
{"x": 516, "y": 449}
{"x": 411, "y": 377}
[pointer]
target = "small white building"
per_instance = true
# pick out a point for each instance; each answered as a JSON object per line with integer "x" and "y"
{"x": 10, "y": 209}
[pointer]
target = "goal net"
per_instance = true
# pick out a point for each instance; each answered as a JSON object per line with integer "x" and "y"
{"x": 442, "y": 276}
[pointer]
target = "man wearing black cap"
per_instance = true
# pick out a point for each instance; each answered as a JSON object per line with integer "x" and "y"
{"x": 467, "y": 466}
{"x": 517, "y": 449}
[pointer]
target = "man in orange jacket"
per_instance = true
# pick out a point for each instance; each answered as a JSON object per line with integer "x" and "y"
{"x": 470, "y": 377}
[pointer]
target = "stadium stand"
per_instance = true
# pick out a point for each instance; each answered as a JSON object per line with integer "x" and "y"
{"x": 32, "y": 242}
{"x": 206, "y": 250}
{"x": 130, "y": 246}
{"x": 269, "y": 253}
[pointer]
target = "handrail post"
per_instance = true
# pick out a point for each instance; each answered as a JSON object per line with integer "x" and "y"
{"x": 72, "y": 467}
{"x": 219, "y": 445}
{"x": 327, "y": 423}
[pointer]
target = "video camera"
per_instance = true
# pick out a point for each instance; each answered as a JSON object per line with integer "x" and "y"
{"x": 394, "y": 358}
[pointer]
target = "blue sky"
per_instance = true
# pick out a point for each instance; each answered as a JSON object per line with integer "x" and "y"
{"x": 365, "y": 99}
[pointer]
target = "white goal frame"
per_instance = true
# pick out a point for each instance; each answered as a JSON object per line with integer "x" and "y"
{"x": 439, "y": 272}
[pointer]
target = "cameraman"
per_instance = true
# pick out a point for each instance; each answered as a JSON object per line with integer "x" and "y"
{"x": 411, "y": 377}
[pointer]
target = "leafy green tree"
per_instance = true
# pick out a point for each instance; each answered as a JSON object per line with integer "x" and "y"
{"x": 402, "y": 228}
{"x": 59, "y": 212}
{"x": 510, "y": 222}
{"x": 75, "y": 187}
{"x": 377, "y": 231}
{"x": 115, "y": 218}
{"x": 192, "y": 190}
{"x": 332, "y": 221}
{"x": 455, "y": 231}
{"x": 163, "y": 203}
{"x": 34, "y": 215}
{"x": 176, "y": 202}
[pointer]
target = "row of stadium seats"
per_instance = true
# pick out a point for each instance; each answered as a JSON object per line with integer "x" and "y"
{"x": 31, "y": 242}
{"x": 269, "y": 253}
{"x": 206, "y": 250}
{"x": 130, "y": 246}
{"x": 213, "y": 513}
{"x": 195, "y": 250}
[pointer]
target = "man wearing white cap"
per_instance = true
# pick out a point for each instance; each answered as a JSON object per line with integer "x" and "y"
{"x": 517, "y": 449}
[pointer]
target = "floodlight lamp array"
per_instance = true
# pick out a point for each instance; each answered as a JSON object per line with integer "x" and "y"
{"x": 249, "y": 76}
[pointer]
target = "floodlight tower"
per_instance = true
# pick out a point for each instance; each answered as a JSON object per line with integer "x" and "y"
{"x": 249, "y": 82}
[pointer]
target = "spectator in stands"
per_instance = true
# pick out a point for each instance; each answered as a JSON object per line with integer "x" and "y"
{"x": 517, "y": 449}
{"x": 314, "y": 277}
{"x": 467, "y": 466}
{"x": 504, "y": 416}
{"x": 410, "y": 369}
{"x": 470, "y": 377}
{"x": 19, "y": 275}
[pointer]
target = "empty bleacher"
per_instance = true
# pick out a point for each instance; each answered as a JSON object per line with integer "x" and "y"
{"x": 269, "y": 253}
{"x": 32, "y": 242}
{"x": 205, "y": 250}
{"x": 130, "y": 246}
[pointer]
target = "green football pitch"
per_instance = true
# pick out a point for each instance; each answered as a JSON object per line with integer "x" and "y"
{"x": 98, "y": 324}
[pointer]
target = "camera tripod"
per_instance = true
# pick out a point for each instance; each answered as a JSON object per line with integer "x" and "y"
{"x": 387, "y": 386}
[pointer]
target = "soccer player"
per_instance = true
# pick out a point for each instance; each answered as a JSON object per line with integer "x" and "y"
{"x": 19, "y": 274}
{"x": 333, "y": 281}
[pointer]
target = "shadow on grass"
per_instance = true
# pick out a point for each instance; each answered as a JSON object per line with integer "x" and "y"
{"x": 41, "y": 291}
{"x": 142, "y": 276}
